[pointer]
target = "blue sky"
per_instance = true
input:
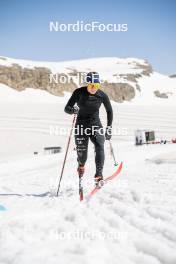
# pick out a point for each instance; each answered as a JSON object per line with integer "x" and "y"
{"x": 24, "y": 30}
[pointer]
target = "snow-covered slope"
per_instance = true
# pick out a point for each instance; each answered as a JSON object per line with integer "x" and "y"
{"x": 8, "y": 94}
{"x": 156, "y": 82}
{"x": 130, "y": 221}
{"x": 107, "y": 67}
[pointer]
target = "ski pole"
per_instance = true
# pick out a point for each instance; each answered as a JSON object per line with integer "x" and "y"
{"x": 80, "y": 189}
{"x": 68, "y": 144}
{"x": 112, "y": 153}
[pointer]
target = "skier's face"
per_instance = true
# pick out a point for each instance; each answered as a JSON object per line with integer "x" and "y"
{"x": 93, "y": 87}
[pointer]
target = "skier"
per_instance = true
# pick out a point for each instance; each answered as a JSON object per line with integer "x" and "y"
{"x": 88, "y": 124}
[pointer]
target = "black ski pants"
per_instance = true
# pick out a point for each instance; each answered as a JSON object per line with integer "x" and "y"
{"x": 83, "y": 131}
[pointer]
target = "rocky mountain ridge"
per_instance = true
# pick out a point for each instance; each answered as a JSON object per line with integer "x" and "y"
{"x": 120, "y": 77}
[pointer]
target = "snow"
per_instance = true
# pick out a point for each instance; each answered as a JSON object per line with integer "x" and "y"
{"x": 109, "y": 68}
{"x": 26, "y": 96}
{"x": 127, "y": 65}
{"x": 164, "y": 158}
{"x": 156, "y": 82}
{"x": 130, "y": 221}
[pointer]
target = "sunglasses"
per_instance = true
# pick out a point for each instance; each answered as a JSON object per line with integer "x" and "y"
{"x": 95, "y": 86}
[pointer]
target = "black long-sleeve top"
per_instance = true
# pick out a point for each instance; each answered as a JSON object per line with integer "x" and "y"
{"x": 89, "y": 104}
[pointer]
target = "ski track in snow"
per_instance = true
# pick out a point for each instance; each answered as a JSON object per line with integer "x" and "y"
{"x": 130, "y": 221}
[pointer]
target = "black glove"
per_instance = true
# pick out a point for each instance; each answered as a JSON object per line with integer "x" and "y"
{"x": 71, "y": 110}
{"x": 108, "y": 133}
{"x": 75, "y": 109}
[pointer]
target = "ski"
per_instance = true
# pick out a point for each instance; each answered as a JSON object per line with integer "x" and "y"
{"x": 109, "y": 178}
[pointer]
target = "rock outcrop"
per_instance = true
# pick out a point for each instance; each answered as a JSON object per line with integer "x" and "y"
{"x": 160, "y": 95}
{"x": 173, "y": 76}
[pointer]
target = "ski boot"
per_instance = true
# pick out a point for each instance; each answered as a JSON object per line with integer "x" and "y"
{"x": 99, "y": 181}
{"x": 80, "y": 170}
